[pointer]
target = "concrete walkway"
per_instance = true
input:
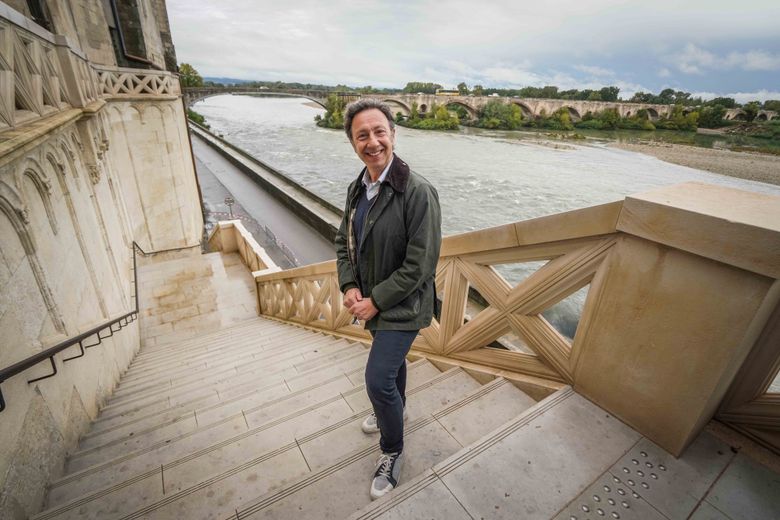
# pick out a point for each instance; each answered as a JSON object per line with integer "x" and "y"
{"x": 305, "y": 243}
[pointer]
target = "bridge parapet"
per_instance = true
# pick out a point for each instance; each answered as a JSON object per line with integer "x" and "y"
{"x": 681, "y": 319}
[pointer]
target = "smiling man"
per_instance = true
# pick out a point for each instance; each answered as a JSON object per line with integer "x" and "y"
{"x": 387, "y": 248}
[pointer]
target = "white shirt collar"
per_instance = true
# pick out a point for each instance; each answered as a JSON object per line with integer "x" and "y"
{"x": 367, "y": 177}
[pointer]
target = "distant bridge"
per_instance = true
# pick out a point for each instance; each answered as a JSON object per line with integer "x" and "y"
{"x": 737, "y": 114}
{"x": 531, "y": 107}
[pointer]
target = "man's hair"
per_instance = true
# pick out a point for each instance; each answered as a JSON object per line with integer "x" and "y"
{"x": 358, "y": 106}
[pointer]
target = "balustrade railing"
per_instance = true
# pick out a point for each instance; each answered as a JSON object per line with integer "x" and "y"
{"x": 40, "y": 75}
{"x": 681, "y": 305}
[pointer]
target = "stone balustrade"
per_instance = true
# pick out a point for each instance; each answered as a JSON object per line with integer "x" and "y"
{"x": 42, "y": 74}
{"x": 682, "y": 283}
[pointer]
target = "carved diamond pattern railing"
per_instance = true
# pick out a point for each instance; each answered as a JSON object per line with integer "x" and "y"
{"x": 315, "y": 301}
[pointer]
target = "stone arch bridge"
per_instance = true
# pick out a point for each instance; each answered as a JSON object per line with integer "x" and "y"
{"x": 531, "y": 107}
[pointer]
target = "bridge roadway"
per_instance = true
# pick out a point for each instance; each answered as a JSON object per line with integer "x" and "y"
{"x": 305, "y": 242}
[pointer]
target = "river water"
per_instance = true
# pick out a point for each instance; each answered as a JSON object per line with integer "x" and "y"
{"x": 484, "y": 178}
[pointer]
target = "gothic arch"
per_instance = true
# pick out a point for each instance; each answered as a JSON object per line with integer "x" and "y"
{"x": 11, "y": 204}
{"x": 43, "y": 186}
{"x": 12, "y": 207}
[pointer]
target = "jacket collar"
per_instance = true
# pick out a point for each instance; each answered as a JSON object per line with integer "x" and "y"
{"x": 397, "y": 176}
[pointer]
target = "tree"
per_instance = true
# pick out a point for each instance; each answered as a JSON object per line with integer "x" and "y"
{"x": 772, "y": 104}
{"x": 413, "y": 87}
{"x": 189, "y": 77}
{"x": 712, "y": 116}
{"x": 478, "y": 90}
{"x": 463, "y": 89}
{"x": 609, "y": 93}
{"x": 751, "y": 110}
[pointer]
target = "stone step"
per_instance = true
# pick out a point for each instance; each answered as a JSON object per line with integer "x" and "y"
{"x": 217, "y": 348}
{"x": 190, "y": 383}
{"x": 307, "y": 383}
{"x": 140, "y": 415}
{"x": 150, "y": 457}
{"x": 133, "y": 438}
{"x": 266, "y": 437}
{"x": 212, "y": 348}
{"x": 148, "y": 355}
{"x": 276, "y": 354}
{"x": 531, "y": 467}
{"x": 337, "y": 488}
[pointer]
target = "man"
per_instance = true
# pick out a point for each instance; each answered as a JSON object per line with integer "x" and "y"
{"x": 387, "y": 248}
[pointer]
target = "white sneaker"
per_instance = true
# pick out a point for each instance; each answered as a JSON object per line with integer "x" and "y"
{"x": 388, "y": 471}
{"x": 370, "y": 425}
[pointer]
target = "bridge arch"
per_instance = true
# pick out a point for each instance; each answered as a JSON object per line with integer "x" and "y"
{"x": 573, "y": 114}
{"x": 395, "y": 104}
{"x": 762, "y": 116}
{"x": 737, "y": 115}
{"x": 469, "y": 109}
{"x": 652, "y": 114}
{"x": 528, "y": 113}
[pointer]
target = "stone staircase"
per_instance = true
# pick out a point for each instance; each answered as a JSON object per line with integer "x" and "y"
{"x": 254, "y": 418}
{"x": 202, "y": 426}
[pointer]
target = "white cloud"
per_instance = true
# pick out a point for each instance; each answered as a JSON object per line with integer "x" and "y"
{"x": 754, "y": 60}
{"x": 498, "y": 43}
{"x": 741, "y": 97}
{"x": 594, "y": 70}
{"x": 694, "y": 60}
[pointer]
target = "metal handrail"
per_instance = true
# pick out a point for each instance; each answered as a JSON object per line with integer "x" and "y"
{"x": 49, "y": 353}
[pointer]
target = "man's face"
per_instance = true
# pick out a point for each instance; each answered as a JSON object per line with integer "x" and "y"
{"x": 373, "y": 139}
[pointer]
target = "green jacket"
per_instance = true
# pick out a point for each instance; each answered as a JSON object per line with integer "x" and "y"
{"x": 399, "y": 251}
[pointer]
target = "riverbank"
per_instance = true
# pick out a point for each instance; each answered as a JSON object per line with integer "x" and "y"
{"x": 743, "y": 165}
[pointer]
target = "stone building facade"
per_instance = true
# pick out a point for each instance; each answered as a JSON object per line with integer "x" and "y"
{"x": 94, "y": 154}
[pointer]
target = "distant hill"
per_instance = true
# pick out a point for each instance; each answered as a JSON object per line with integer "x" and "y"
{"x": 227, "y": 81}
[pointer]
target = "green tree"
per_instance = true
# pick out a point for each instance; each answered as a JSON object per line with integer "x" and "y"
{"x": 413, "y": 87}
{"x": 751, "y": 110}
{"x": 772, "y": 104}
{"x": 334, "y": 112}
{"x": 414, "y": 112}
{"x": 609, "y": 93}
{"x": 712, "y": 116}
{"x": 594, "y": 96}
{"x": 463, "y": 89}
{"x": 478, "y": 90}
{"x": 189, "y": 77}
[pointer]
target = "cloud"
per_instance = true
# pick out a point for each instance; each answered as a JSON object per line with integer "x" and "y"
{"x": 694, "y": 60}
{"x": 754, "y": 60}
{"x": 500, "y": 43}
{"x": 594, "y": 70}
{"x": 741, "y": 97}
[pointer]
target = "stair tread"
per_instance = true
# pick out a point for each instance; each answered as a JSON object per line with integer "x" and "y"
{"x": 187, "y": 470}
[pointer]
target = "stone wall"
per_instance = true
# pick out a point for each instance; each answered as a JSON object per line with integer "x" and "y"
{"x": 98, "y": 157}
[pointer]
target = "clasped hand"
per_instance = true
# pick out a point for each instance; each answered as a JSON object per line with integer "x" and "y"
{"x": 361, "y": 308}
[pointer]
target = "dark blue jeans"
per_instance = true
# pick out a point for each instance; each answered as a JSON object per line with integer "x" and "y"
{"x": 386, "y": 384}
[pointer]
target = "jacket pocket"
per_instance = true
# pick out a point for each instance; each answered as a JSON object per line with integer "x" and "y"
{"x": 406, "y": 310}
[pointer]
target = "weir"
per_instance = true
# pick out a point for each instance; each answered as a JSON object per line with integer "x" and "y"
{"x": 238, "y": 391}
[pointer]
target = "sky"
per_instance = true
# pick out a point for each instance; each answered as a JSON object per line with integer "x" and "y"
{"x": 709, "y": 48}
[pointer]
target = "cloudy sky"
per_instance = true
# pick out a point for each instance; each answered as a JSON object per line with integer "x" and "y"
{"x": 705, "y": 47}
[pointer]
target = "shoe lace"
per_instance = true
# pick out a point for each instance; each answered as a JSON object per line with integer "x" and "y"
{"x": 385, "y": 464}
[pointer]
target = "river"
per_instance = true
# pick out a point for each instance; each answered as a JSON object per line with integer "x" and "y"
{"x": 484, "y": 178}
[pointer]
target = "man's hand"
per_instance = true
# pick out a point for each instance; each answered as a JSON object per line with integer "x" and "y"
{"x": 351, "y": 297}
{"x": 364, "y": 309}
